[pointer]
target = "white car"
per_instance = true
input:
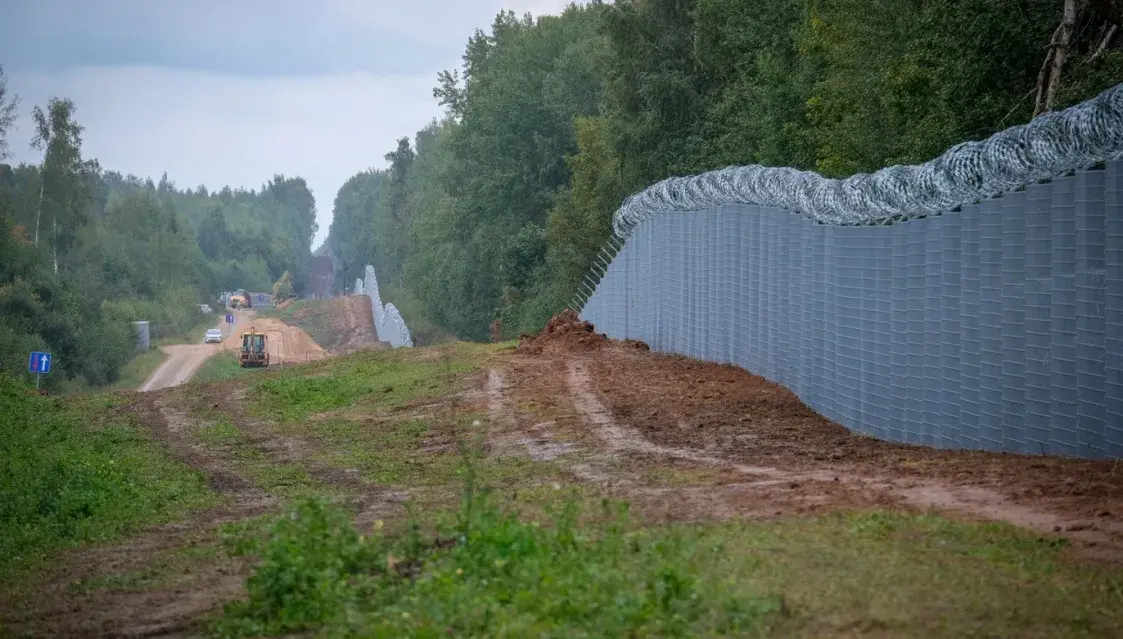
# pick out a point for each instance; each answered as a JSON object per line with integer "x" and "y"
{"x": 214, "y": 335}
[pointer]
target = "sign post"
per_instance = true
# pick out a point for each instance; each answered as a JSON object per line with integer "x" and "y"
{"x": 40, "y": 364}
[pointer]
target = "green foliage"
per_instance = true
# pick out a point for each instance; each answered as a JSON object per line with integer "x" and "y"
{"x": 41, "y": 311}
{"x": 489, "y": 573}
{"x": 500, "y": 208}
{"x": 386, "y": 378}
{"x": 83, "y": 252}
{"x": 77, "y": 471}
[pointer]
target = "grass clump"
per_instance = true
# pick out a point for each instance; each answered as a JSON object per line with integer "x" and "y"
{"x": 220, "y": 366}
{"x": 222, "y": 433}
{"x": 382, "y": 379}
{"x": 488, "y": 573}
{"x": 79, "y": 470}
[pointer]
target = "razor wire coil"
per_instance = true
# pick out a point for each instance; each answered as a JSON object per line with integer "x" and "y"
{"x": 1049, "y": 146}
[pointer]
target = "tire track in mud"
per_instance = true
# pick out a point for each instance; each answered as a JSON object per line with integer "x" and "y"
{"x": 539, "y": 441}
{"x": 175, "y": 416}
{"x": 171, "y": 611}
{"x": 975, "y": 502}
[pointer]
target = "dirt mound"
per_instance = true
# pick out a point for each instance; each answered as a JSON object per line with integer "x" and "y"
{"x": 352, "y": 322}
{"x": 568, "y": 332}
{"x": 286, "y": 344}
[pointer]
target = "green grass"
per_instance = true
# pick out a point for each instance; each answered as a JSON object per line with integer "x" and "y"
{"x": 221, "y": 433}
{"x": 597, "y": 574}
{"x": 424, "y": 331}
{"x": 282, "y": 478}
{"x": 389, "y": 453}
{"x": 371, "y": 380}
{"x": 79, "y": 470}
{"x": 220, "y": 366}
{"x": 139, "y": 369}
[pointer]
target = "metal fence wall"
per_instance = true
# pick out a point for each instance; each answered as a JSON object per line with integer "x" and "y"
{"x": 388, "y": 322}
{"x": 995, "y": 327}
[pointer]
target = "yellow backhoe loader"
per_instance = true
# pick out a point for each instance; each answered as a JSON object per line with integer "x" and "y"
{"x": 254, "y": 351}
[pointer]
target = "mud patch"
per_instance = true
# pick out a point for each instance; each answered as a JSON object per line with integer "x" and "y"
{"x": 564, "y": 332}
{"x": 702, "y": 412}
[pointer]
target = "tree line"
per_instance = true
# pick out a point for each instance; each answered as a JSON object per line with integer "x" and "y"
{"x": 84, "y": 251}
{"x": 496, "y": 210}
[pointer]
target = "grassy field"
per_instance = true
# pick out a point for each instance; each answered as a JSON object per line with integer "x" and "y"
{"x": 80, "y": 470}
{"x": 486, "y": 543}
{"x": 490, "y": 572}
{"x": 223, "y": 365}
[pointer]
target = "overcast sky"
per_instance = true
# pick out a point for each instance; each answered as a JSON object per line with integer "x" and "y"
{"x": 219, "y": 92}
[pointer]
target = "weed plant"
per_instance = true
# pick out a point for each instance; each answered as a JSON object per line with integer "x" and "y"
{"x": 485, "y": 572}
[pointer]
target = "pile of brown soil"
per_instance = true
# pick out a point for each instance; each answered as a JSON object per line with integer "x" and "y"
{"x": 564, "y": 332}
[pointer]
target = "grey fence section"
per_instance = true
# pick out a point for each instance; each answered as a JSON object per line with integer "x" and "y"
{"x": 995, "y": 327}
{"x": 388, "y": 322}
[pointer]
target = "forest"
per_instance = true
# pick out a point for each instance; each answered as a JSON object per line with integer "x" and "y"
{"x": 483, "y": 223}
{"x": 84, "y": 251}
{"x": 494, "y": 212}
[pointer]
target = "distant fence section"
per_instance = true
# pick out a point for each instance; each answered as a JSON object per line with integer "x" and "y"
{"x": 388, "y": 321}
{"x": 995, "y": 325}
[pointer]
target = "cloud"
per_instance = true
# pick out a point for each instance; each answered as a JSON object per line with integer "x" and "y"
{"x": 216, "y": 130}
{"x": 229, "y": 93}
{"x": 248, "y": 37}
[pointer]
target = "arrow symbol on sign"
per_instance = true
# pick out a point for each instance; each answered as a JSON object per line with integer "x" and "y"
{"x": 43, "y": 362}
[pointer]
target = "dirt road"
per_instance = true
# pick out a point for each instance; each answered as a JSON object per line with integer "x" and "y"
{"x": 286, "y": 344}
{"x": 184, "y": 359}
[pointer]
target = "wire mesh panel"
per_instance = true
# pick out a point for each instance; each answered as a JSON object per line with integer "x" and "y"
{"x": 1113, "y": 307}
{"x": 1090, "y": 281}
{"x": 972, "y": 301}
{"x": 1062, "y": 383}
{"x": 1014, "y": 207}
{"x": 996, "y": 326}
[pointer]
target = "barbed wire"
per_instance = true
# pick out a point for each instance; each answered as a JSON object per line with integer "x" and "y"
{"x": 1049, "y": 146}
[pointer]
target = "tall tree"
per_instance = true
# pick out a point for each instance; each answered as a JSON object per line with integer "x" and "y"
{"x": 8, "y": 112}
{"x": 401, "y": 164}
{"x": 62, "y": 173}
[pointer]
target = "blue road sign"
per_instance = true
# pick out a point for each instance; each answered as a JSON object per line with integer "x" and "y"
{"x": 261, "y": 298}
{"x": 229, "y": 318}
{"x": 39, "y": 362}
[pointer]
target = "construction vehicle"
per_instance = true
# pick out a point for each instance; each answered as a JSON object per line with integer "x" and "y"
{"x": 282, "y": 289}
{"x": 254, "y": 351}
{"x": 240, "y": 299}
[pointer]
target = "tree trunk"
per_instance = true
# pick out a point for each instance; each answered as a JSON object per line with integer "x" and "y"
{"x": 1055, "y": 59}
{"x": 54, "y": 245}
{"x": 39, "y": 210}
{"x": 1106, "y": 41}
